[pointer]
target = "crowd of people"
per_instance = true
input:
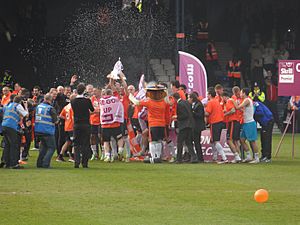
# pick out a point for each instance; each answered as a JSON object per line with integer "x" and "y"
{"x": 120, "y": 122}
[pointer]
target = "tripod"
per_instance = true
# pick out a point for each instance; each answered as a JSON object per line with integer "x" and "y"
{"x": 292, "y": 117}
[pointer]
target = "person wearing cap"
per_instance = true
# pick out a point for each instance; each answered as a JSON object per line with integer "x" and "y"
{"x": 158, "y": 107}
{"x": 256, "y": 94}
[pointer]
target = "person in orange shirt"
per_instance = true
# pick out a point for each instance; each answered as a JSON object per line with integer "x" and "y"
{"x": 68, "y": 116}
{"x": 175, "y": 85}
{"x": 182, "y": 87}
{"x": 95, "y": 123}
{"x": 6, "y": 96}
{"x": 157, "y": 108}
{"x": 215, "y": 117}
{"x": 17, "y": 88}
{"x": 236, "y": 91}
{"x": 233, "y": 125}
{"x": 219, "y": 92}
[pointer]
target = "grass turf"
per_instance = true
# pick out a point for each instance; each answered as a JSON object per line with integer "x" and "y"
{"x": 137, "y": 193}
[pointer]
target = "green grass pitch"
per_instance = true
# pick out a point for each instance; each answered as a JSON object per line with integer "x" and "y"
{"x": 137, "y": 193}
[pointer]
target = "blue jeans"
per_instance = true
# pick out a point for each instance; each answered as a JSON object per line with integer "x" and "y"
{"x": 47, "y": 148}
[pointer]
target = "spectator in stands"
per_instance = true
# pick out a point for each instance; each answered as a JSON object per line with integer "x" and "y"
{"x": 257, "y": 75}
{"x": 271, "y": 99}
{"x": 269, "y": 56}
{"x": 282, "y": 53}
{"x": 7, "y": 79}
{"x": 256, "y": 52}
{"x": 211, "y": 62}
{"x": 234, "y": 71}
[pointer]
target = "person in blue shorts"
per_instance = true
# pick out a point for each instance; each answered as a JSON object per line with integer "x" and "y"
{"x": 249, "y": 129}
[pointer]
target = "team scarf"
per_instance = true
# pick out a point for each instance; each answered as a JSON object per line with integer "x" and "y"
{"x": 111, "y": 110}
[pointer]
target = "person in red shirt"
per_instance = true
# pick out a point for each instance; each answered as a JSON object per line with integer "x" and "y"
{"x": 68, "y": 116}
{"x": 175, "y": 85}
{"x": 215, "y": 117}
{"x": 95, "y": 123}
{"x": 233, "y": 125}
{"x": 157, "y": 108}
{"x": 17, "y": 88}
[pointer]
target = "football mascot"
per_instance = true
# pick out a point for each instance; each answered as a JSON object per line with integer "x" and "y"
{"x": 156, "y": 98}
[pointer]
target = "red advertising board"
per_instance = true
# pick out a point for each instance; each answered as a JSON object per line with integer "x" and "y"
{"x": 288, "y": 77}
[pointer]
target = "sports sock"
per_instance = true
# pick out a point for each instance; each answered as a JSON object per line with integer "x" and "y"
{"x": 237, "y": 156}
{"x": 220, "y": 150}
{"x": 127, "y": 147}
{"x": 215, "y": 152}
{"x": 94, "y": 149}
{"x": 114, "y": 147}
{"x": 171, "y": 148}
{"x": 256, "y": 156}
{"x": 248, "y": 155}
{"x": 120, "y": 150}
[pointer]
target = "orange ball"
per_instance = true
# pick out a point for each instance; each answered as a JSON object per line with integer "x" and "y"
{"x": 261, "y": 196}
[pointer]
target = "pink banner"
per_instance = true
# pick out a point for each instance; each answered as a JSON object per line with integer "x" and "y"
{"x": 192, "y": 73}
{"x": 206, "y": 145}
{"x": 289, "y": 77}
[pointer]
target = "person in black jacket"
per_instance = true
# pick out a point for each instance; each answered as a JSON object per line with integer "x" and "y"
{"x": 82, "y": 107}
{"x": 199, "y": 125}
{"x": 185, "y": 122}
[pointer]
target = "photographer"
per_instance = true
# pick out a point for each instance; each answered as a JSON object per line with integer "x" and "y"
{"x": 26, "y": 131}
